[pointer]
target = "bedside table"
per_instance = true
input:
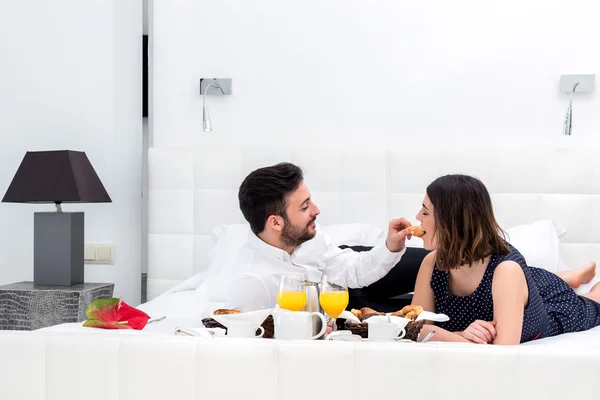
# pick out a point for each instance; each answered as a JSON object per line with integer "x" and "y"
{"x": 25, "y": 306}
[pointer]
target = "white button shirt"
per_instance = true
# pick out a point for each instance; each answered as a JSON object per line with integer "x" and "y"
{"x": 260, "y": 266}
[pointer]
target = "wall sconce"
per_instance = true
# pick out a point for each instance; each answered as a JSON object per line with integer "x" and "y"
{"x": 570, "y": 83}
{"x": 213, "y": 87}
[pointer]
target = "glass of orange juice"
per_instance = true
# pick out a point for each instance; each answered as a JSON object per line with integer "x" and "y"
{"x": 334, "y": 297}
{"x": 292, "y": 293}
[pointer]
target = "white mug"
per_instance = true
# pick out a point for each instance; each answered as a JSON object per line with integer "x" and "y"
{"x": 244, "y": 329}
{"x": 385, "y": 331}
{"x": 297, "y": 325}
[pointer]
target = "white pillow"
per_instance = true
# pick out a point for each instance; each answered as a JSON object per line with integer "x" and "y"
{"x": 226, "y": 237}
{"x": 228, "y": 241}
{"x": 539, "y": 243}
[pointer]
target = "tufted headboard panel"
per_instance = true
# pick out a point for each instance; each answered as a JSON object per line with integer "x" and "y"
{"x": 193, "y": 190}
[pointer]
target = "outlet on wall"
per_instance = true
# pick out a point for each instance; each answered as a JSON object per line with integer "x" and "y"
{"x": 99, "y": 253}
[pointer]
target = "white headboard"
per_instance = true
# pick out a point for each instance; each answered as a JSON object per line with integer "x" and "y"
{"x": 193, "y": 190}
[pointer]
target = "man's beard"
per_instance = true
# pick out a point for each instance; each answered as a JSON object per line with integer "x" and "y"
{"x": 294, "y": 236}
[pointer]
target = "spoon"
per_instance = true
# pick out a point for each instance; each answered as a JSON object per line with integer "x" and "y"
{"x": 429, "y": 336}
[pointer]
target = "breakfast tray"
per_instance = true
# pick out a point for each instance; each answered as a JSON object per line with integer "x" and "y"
{"x": 268, "y": 326}
{"x": 413, "y": 328}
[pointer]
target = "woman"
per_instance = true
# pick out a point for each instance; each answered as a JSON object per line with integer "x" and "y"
{"x": 483, "y": 283}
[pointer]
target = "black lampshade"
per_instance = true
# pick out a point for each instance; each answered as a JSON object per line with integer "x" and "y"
{"x": 62, "y": 176}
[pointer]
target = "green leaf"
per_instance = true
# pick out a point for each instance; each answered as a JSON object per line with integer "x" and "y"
{"x": 94, "y": 323}
{"x": 103, "y": 310}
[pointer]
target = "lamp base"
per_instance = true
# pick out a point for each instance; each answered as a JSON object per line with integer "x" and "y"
{"x": 58, "y": 242}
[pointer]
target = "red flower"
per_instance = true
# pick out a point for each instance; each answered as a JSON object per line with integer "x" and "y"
{"x": 114, "y": 313}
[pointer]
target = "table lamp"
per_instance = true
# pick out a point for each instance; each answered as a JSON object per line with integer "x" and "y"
{"x": 62, "y": 176}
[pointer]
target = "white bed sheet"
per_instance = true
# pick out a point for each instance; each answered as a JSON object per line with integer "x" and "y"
{"x": 587, "y": 339}
{"x": 180, "y": 304}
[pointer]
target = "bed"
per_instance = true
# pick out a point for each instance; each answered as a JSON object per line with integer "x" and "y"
{"x": 548, "y": 200}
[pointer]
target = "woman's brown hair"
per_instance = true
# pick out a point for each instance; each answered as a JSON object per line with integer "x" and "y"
{"x": 466, "y": 229}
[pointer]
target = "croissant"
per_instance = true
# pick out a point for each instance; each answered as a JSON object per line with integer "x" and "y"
{"x": 411, "y": 312}
{"x": 416, "y": 231}
{"x": 357, "y": 313}
{"x": 224, "y": 312}
{"x": 369, "y": 312}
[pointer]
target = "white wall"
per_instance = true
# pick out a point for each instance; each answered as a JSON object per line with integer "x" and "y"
{"x": 70, "y": 78}
{"x": 408, "y": 73}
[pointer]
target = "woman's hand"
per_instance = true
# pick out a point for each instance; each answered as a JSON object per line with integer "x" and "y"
{"x": 329, "y": 328}
{"x": 481, "y": 332}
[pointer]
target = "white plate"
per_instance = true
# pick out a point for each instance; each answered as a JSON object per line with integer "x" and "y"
{"x": 255, "y": 317}
{"x": 426, "y": 315}
{"x": 344, "y": 336}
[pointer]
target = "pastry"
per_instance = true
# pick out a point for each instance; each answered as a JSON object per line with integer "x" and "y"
{"x": 416, "y": 231}
{"x": 409, "y": 308}
{"x": 411, "y": 312}
{"x": 369, "y": 312}
{"x": 225, "y": 312}
{"x": 411, "y": 315}
{"x": 357, "y": 313}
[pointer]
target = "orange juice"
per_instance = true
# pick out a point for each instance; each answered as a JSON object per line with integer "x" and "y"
{"x": 292, "y": 300}
{"x": 334, "y": 303}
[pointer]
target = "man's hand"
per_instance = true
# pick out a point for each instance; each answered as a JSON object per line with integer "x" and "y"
{"x": 397, "y": 234}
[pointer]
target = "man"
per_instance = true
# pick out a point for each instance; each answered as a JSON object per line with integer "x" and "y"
{"x": 285, "y": 239}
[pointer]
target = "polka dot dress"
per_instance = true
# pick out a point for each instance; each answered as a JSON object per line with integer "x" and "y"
{"x": 553, "y": 308}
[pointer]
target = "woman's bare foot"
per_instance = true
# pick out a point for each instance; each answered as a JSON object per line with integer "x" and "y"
{"x": 588, "y": 272}
{"x": 579, "y": 276}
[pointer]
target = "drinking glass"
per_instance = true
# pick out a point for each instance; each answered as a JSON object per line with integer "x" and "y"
{"x": 334, "y": 297}
{"x": 292, "y": 292}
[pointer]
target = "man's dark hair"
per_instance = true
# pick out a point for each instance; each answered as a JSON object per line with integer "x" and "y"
{"x": 264, "y": 192}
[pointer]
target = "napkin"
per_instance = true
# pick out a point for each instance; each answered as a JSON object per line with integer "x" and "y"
{"x": 254, "y": 317}
{"x": 401, "y": 322}
{"x": 429, "y": 316}
{"x": 348, "y": 316}
{"x": 344, "y": 336}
